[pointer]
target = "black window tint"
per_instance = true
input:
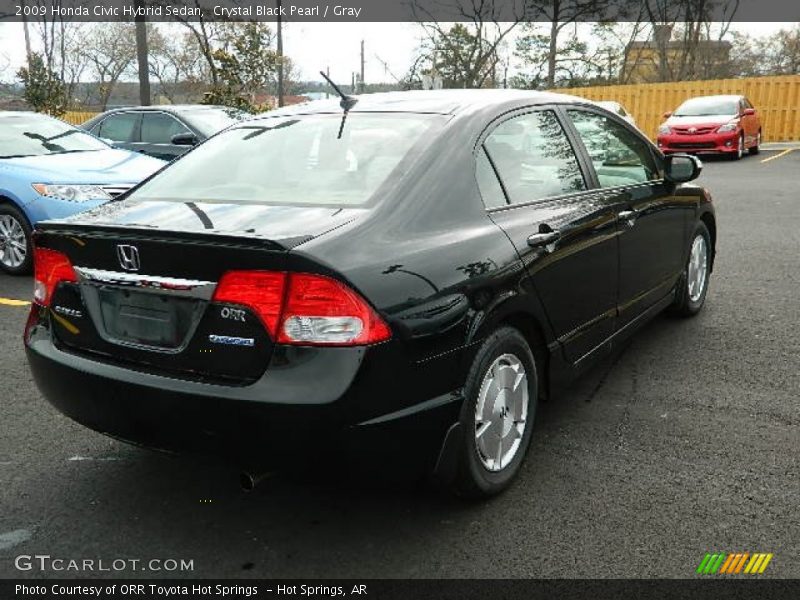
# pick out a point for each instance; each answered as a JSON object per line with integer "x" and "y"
{"x": 619, "y": 155}
{"x": 119, "y": 128}
{"x": 158, "y": 128}
{"x": 488, "y": 184}
{"x": 534, "y": 157}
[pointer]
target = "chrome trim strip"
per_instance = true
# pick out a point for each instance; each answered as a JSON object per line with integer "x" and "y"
{"x": 149, "y": 283}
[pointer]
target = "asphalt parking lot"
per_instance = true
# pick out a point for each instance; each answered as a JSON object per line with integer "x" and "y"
{"x": 686, "y": 443}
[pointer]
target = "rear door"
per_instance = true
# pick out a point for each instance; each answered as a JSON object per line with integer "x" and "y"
{"x": 537, "y": 190}
{"x": 652, "y": 219}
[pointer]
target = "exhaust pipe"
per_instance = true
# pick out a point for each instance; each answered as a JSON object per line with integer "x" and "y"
{"x": 249, "y": 480}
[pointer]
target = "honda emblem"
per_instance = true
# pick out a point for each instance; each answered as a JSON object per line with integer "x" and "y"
{"x": 128, "y": 257}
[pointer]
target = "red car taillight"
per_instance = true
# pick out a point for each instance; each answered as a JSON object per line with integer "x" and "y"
{"x": 304, "y": 308}
{"x": 50, "y": 267}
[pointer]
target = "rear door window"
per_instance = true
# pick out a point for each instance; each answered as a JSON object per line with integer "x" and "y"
{"x": 534, "y": 158}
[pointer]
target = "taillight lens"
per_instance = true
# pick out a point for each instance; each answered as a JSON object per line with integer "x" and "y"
{"x": 260, "y": 290}
{"x": 321, "y": 310}
{"x": 50, "y": 267}
{"x": 304, "y": 309}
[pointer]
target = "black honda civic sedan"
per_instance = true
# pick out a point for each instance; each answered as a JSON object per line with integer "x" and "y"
{"x": 412, "y": 274}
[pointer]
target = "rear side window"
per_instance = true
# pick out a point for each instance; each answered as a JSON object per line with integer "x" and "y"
{"x": 534, "y": 158}
{"x": 620, "y": 156}
{"x": 158, "y": 128}
{"x": 119, "y": 128}
{"x": 488, "y": 184}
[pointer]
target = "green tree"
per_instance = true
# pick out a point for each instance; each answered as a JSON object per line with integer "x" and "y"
{"x": 245, "y": 65}
{"x": 44, "y": 90}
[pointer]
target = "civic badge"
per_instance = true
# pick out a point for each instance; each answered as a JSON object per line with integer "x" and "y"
{"x": 128, "y": 257}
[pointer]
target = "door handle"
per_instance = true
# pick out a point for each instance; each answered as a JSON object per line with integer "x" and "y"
{"x": 538, "y": 240}
{"x": 629, "y": 216}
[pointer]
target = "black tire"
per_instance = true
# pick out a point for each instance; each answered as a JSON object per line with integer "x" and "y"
{"x": 685, "y": 305}
{"x": 473, "y": 479}
{"x": 739, "y": 154}
{"x": 26, "y": 266}
{"x": 757, "y": 148}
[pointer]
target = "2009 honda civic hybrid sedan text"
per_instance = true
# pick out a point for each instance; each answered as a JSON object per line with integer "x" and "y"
{"x": 408, "y": 277}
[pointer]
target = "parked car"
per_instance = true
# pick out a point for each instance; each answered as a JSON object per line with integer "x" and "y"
{"x": 712, "y": 124}
{"x": 164, "y": 131}
{"x": 410, "y": 277}
{"x": 49, "y": 169}
{"x": 617, "y": 109}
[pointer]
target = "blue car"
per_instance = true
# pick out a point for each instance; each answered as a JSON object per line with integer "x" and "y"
{"x": 50, "y": 170}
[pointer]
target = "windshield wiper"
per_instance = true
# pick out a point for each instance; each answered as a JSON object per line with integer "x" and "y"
{"x": 346, "y": 102}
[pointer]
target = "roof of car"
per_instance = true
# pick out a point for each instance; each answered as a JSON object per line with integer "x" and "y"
{"x": 169, "y": 107}
{"x": 718, "y": 96}
{"x": 428, "y": 101}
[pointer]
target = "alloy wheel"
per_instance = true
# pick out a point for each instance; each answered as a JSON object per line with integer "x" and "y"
{"x": 13, "y": 245}
{"x": 501, "y": 412}
{"x": 697, "y": 271}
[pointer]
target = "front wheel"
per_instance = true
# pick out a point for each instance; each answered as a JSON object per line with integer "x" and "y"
{"x": 757, "y": 148}
{"x": 739, "y": 149}
{"x": 15, "y": 241}
{"x": 690, "y": 293}
{"x": 501, "y": 395}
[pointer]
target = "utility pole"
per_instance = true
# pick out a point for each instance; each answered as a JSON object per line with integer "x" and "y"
{"x": 280, "y": 55}
{"x": 142, "y": 56}
{"x": 362, "y": 67}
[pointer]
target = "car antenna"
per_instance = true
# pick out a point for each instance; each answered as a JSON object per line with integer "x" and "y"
{"x": 347, "y": 102}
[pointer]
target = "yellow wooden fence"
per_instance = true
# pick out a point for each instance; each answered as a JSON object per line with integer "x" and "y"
{"x": 76, "y": 117}
{"x": 777, "y": 100}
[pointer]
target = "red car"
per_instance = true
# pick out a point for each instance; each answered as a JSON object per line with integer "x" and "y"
{"x": 712, "y": 124}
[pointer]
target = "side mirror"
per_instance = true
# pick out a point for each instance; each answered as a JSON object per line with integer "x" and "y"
{"x": 680, "y": 168}
{"x": 184, "y": 139}
{"x": 668, "y": 114}
{"x": 749, "y": 112}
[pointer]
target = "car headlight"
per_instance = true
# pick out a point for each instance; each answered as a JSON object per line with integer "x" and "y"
{"x": 664, "y": 130}
{"x": 730, "y": 126}
{"x": 71, "y": 192}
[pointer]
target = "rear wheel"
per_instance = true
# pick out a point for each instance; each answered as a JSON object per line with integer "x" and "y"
{"x": 757, "y": 148}
{"x": 690, "y": 294}
{"x": 498, "y": 413}
{"x": 15, "y": 241}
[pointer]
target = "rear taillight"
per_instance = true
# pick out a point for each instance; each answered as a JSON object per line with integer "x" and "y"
{"x": 50, "y": 267}
{"x": 260, "y": 290}
{"x": 304, "y": 309}
{"x": 321, "y": 310}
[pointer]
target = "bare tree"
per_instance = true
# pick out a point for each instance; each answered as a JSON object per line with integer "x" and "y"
{"x": 466, "y": 54}
{"x": 110, "y": 51}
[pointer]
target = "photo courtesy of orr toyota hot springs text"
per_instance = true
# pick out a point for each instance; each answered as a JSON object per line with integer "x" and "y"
{"x": 399, "y": 299}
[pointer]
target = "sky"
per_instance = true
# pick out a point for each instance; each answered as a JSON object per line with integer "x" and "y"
{"x": 389, "y": 48}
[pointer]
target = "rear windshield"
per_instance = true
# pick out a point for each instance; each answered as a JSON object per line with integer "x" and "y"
{"x": 35, "y": 135}
{"x": 299, "y": 160}
{"x": 701, "y": 107}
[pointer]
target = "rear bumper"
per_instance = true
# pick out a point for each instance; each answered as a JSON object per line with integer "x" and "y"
{"x": 696, "y": 144}
{"x": 278, "y": 419}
